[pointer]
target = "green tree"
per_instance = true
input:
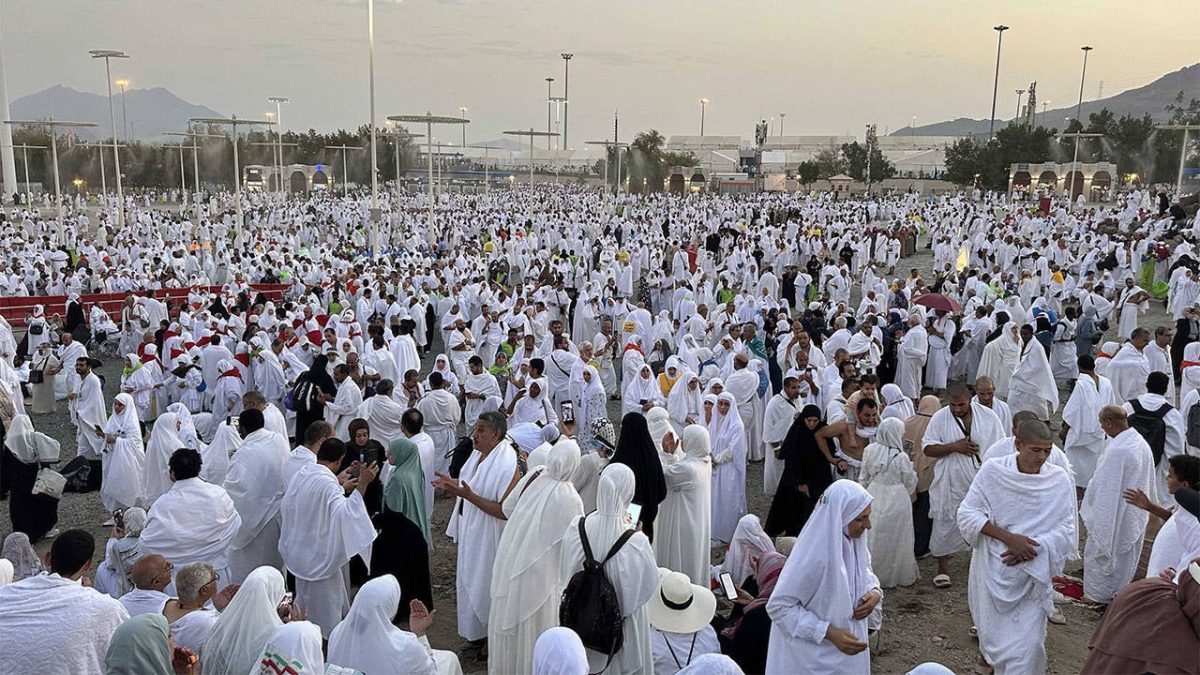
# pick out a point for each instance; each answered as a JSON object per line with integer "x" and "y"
{"x": 856, "y": 163}
{"x": 1167, "y": 143}
{"x": 646, "y": 164}
{"x": 829, "y": 162}
{"x": 808, "y": 172}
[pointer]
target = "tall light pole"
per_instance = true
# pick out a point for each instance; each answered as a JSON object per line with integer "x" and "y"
{"x": 195, "y": 136}
{"x": 1044, "y": 105}
{"x": 781, "y": 116}
{"x": 108, "y": 55}
{"x": 1182, "y": 152}
{"x": 103, "y": 173}
{"x": 462, "y": 110}
{"x": 8, "y": 159}
{"x": 531, "y": 134}
{"x": 25, "y": 157}
{"x": 566, "y": 94}
{"x": 1079, "y": 106}
{"x": 429, "y": 119}
{"x": 1020, "y": 92}
{"x": 996, "y": 84}
{"x": 279, "y": 101}
{"x": 345, "y": 164}
{"x": 124, "y": 85}
{"x": 233, "y": 123}
{"x": 549, "y": 109}
{"x": 703, "y": 104}
{"x": 1075, "y": 164}
{"x": 375, "y": 214}
{"x": 54, "y": 124}
{"x": 396, "y": 135}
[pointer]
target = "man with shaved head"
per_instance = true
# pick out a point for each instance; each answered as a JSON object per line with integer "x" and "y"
{"x": 955, "y": 439}
{"x": 1018, "y": 515}
{"x": 151, "y": 574}
{"x": 1115, "y": 528}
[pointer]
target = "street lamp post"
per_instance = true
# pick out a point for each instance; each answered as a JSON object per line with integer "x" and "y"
{"x": 108, "y": 55}
{"x": 1182, "y": 152}
{"x": 345, "y": 172}
{"x": 1020, "y": 93}
{"x": 1044, "y": 106}
{"x": 279, "y": 101}
{"x": 703, "y": 104}
{"x": 233, "y": 123}
{"x": 1075, "y": 163}
{"x": 25, "y": 159}
{"x": 429, "y": 119}
{"x": 462, "y": 111}
{"x": 781, "y": 116}
{"x": 549, "y": 108}
{"x": 124, "y": 85}
{"x": 566, "y": 56}
{"x": 53, "y": 124}
{"x": 1079, "y": 106}
{"x": 996, "y": 84}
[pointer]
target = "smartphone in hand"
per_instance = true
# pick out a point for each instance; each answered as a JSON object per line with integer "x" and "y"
{"x": 728, "y": 586}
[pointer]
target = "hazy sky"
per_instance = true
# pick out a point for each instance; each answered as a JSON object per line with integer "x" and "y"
{"x": 831, "y": 66}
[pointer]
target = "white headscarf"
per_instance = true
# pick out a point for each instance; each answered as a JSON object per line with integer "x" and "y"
{"x": 164, "y": 441}
{"x": 896, "y": 404}
{"x": 124, "y": 425}
{"x": 682, "y": 400}
{"x": 591, "y": 389}
{"x": 749, "y": 539}
{"x": 828, "y": 571}
{"x": 27, "y": 445}
{"x": 529, "y": 556}
{"x": 243, "y": 629}
{"x": 366, "y": 640}
{"x": 641, "y": 388}
{"x": 559, "y": 652}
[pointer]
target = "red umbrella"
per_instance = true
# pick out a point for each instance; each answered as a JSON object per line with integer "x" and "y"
{"x": 938, "y": 301}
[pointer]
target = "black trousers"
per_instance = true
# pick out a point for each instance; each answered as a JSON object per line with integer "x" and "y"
{"x": 922, "y": 524}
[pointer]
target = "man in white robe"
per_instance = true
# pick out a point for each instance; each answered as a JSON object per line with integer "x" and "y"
{"x": 477, "y": 519}
{"x": 88, "y": 413}
{"x": 985, "y": 395}
{"x": 911, "y": 356}
{"x": 1033, "y": 387}
{"x": 1128, "y": 369}
{"x": 559, "y": 364}
{"x": 743, "y": 384}
{"x": 38, "y": 614}
{"x": 781, "y": 412}
{"x": 323, "y": 523}
{"x": 441, "y": 412}
{"x": 210, "y": 358}
{"x": 194, "y": 521}
{"x": 306, "y": 452}
{"x": 344, "y": 407}
{"x": 1083, "y": 437}
{"x": 1158, "y": 356}
{"x": 478, "y": 387}
{"x": 1115, "y": 528}
{"x": 1019, "y": 517}
{"x": 956, "y": 437}
{"x": 382, "y": 413}
{"x": 1130, "y": 302}
{"x": 255, "y": 484}
{"x": 941, "y": 334}
{"x": 150, "y": 574}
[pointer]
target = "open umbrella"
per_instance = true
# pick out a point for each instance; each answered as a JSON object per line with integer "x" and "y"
{"x": 938, "y": 301}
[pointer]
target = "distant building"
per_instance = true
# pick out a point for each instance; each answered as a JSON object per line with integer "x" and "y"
{"x": 1094, "y": 181}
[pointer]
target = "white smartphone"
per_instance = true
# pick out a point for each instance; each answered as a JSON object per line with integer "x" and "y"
{"x": 727, "y": 585}
{"x": 634, "y": 511}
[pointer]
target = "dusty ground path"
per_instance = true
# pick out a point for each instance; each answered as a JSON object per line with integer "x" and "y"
{"x": 921, "y": 623}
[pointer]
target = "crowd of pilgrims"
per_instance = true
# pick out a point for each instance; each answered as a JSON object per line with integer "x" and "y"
{"x": 269, "y": 465}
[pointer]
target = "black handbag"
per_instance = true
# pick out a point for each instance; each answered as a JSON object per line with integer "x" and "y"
{"x": 36, "y": 376}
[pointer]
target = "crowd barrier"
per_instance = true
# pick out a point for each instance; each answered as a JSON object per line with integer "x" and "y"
{"x": 14, "y": 310}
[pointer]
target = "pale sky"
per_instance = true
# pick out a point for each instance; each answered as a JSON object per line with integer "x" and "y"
{"x": 831, "y": 66}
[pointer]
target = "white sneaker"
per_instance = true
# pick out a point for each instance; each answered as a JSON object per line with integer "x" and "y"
{"x": 1060, "y": 599}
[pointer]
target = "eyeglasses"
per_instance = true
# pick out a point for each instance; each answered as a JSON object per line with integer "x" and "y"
{"x": 216, "y": 576}
{"x": 169, "y": 570}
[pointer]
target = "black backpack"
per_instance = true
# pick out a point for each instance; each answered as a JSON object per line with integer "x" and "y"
{"x": 1193, "y": 426}
{"x": 1151, "y": 425}
{"x": 590, "y": 605}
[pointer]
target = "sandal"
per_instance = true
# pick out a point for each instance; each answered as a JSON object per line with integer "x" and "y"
{"x": 942, "y": 581}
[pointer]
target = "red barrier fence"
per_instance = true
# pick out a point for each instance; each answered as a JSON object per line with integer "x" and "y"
{"x": 14, "y": 310}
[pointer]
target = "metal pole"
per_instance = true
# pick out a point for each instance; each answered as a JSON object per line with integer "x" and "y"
{"x": 237, "y": 183}
{"x": 566, "y": 96}
{"x": 103, "y": 180}
{"x": 549, "y": 109}
{"x": 8, "y": 158}
{"x": 1082, "y": 77}
{"x": 531, "y": 169}
{"x": 1182, "y": 157}
{"x": 1074, "y": 169}
{"x": 345, "y": 174}
{"x": 182, "y": 178}
{"x": 112, "y": 116}
{"x": 125, "y": 115}
{"x": 396, "y": 142}
{"x": 25, "y": 158}
{"x": 374, "y": 215}
{"x": 57, "y": 191}
{"x": 996, "y": 84}
{"x": 429, "y": 156}
{"x": 702, "y": 106}
{"x": 195, "y": 163}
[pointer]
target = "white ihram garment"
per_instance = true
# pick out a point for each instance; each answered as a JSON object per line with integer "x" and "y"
{"x": 953, "y": 473}
{"x": 1085, "y": 439}
{"x": 888, "y": 475}
{"x": 255, "y": 484}
{"x": 192, "y": 522}
{"x": 683, "y": 528}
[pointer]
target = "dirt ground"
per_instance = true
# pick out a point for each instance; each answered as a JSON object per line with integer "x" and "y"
{"x": 921, "y": 623}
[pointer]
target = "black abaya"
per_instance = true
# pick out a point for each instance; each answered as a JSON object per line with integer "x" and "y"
{"x": 401, "y": 550}
{"x": 636, "y": 450}
{"x": 35, "y": 515}
{"x": 803, "y": 464}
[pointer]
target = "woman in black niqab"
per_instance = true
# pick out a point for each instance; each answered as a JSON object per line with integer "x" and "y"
{"x": 804, "y": 466}
{"x": 635, "y": 449}
{"x": 322, "y": 383}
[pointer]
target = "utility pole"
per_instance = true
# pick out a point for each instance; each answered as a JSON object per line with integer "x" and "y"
{"x": 996, "y": 84}
{"x": 566, "y": 95}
